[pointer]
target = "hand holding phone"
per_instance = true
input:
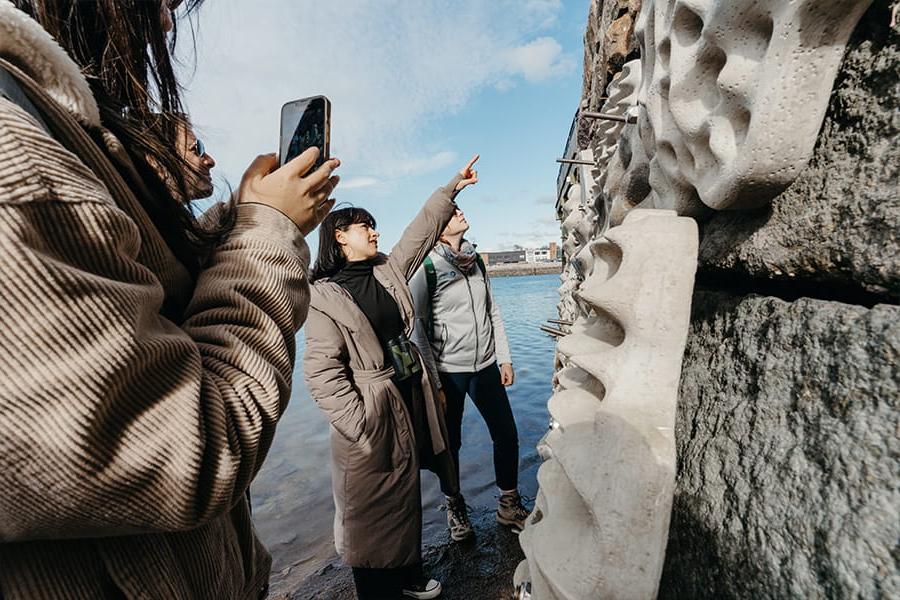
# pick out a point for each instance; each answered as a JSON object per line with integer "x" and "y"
{"x": 294, "y": 189}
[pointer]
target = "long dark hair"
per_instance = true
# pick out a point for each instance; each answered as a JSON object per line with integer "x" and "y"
{"x": 123, "y": 52}
{"x": 331, "y": 258}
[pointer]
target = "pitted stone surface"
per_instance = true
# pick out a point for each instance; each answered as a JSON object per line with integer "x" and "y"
{"x": 839, "y": 222}
{"x": 627, "y": 184}
{"x": 788, "y": 449}
{"x": 600, "y": 522}
{"x": 615, "y": 170}
{"x": 733, "y": 95}
{"x": 579, "y": 224}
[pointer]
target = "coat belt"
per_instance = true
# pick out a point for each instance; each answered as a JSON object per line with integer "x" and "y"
{"x": 362, "y": 377}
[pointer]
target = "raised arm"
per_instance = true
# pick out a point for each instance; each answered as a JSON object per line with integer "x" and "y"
{"x": 423, "y": 232}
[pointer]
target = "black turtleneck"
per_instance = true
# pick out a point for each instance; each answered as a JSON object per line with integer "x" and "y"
{"x": 376, "y": 303}
{"x": 382, "y": 312}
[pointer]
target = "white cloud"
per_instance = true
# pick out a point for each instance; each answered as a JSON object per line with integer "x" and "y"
{"x": 425, "y": 164}
{"x": 543, "y": 13}
{"x": 536, "y": 235}
{"x": 389, "y": 67}
{"x": 539, "y": 60}
{"x": 358, "y": 183}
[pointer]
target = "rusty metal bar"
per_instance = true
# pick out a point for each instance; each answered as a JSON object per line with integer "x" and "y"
{"x": 560, "y": 322}
{"x": 609, "y": 117}
{"x": 553, "y": 332}
{"x": 575, "y": 161}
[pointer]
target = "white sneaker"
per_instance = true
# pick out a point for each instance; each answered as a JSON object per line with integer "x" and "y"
{"x": 423, "y": 590}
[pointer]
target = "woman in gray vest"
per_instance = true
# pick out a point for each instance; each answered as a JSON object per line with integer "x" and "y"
{"x": 463, "y": 342}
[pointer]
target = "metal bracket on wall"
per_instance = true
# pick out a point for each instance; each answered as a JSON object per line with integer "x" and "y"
{"x": 574, "y": 161}
{"x": 609, "y": 117}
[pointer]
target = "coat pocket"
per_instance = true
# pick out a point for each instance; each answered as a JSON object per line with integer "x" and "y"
{"x": 377, "y": 442}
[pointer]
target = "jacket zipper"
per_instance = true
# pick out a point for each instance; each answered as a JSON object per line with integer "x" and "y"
{"x": 474, "y": 320}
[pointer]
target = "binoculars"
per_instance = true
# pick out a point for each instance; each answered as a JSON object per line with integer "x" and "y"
{"x": 403, "y": 358}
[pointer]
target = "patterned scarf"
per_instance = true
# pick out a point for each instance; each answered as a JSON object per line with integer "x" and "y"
{"x": 464, "y": 260}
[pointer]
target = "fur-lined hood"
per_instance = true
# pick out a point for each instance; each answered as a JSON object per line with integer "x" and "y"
{"x": 24, "y": 43}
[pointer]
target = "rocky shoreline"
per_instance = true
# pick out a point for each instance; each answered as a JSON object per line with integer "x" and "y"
{"x": 520, "y": 269}
{"x": 481, "y": 568}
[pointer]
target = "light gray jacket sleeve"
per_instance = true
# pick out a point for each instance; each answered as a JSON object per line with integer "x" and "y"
{"x": 418, "y": 287}
{"x": 501, "y": 344}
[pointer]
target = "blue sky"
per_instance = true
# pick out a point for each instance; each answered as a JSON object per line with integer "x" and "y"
{"x": 417, "y": 87}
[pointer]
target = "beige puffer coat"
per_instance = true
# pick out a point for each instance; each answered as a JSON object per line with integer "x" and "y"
{"x": 375, "y": 465}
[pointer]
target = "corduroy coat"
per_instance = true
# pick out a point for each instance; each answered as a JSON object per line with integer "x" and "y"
{"x": 128, "y": 433}
{"x": 375, "y": 463}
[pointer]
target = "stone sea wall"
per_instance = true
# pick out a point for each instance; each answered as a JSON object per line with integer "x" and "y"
{"x": 788, "y": 421}
{"x": 789, "y": 408}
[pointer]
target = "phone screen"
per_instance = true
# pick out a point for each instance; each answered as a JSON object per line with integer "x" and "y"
{"x": 304, "y": 125}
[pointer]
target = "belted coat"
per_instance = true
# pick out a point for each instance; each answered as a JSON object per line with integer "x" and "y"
{"x": 374, "y": 443}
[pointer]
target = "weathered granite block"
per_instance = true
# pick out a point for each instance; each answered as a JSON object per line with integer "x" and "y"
{"x": 788, "y": 479}
{"x": 839, "y": 221}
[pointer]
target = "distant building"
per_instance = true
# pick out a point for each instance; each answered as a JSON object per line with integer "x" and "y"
{"x": 500, "y": 258}
{"x": 534, "y": 255}
{"x": 549, "y": 253}
{"x": 542, "y": 254}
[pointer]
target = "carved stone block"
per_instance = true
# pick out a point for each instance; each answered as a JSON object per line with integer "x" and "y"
{"x": 601, "y": 520}
{"x": 733, "y": 94}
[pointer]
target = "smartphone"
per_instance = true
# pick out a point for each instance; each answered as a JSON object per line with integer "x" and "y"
{"x": 305, "y": 123}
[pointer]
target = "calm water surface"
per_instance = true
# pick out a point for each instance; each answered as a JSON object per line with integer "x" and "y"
{"x": 292, "y": 503}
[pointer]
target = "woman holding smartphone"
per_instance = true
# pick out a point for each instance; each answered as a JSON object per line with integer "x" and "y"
{"x": 367, "y": 378}
{"x": 144, "y": 359}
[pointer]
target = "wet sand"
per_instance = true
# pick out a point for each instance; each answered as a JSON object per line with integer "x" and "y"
{"x": 481, "y": 568}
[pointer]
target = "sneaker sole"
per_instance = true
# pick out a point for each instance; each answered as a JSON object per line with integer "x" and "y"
{"x": 462, "y": 538}
{"x": 511, "y": 523}
{"x": 423, "y": 595}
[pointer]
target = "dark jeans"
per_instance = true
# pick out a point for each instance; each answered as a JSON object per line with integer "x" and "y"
{"x": 489, "y": 396}
{"x": 384, "y": 584}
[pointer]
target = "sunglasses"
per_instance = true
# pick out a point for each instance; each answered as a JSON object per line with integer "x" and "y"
{"x": 198, "y": 148}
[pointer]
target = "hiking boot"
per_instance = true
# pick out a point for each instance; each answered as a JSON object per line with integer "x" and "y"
{"x": 423, "y": 588}
{"x": 458, "y": 519}
{"x": 510, "y": 511}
